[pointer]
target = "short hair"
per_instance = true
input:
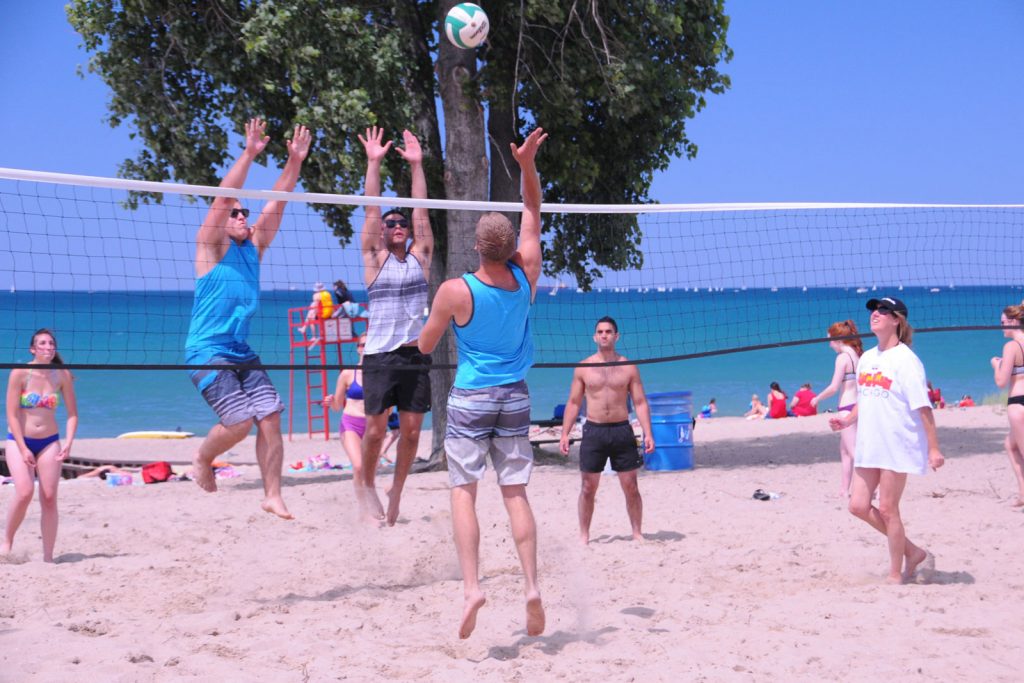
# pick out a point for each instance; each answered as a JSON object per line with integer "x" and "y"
{"x": 393, "y": 212}
{"x": 610, "y": 320}
{"x": 495, "y": 237}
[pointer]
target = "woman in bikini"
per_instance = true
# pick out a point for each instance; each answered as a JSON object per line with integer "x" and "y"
{"x": 1009, "y": 372}
{"x": 33, "y": 448}
{"x": 348, "y": 397}
{"x": 844, "y": 380}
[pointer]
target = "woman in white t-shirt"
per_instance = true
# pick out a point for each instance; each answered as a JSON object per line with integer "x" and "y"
{"x": 895, "y": 434}
{"x": 1009, "y": 372}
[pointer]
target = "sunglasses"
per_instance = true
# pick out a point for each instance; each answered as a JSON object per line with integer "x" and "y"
{"x": 883, "y": 311}
{"x": 401, "y": 223}
{"x": 360, "y": 346}
{"x": 235, "y": 212}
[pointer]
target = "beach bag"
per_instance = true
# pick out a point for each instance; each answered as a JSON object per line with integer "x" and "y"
{"x": 156, "y": 472}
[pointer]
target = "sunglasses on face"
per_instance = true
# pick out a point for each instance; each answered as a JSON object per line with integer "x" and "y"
{"x": 400, "y": 223}
{"x": 235, "y": 212}
{"x": 360, "y": 346}
{"x": 883, "y": 311}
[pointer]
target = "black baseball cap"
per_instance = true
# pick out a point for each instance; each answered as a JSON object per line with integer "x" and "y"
{"x": 888, "y": 303}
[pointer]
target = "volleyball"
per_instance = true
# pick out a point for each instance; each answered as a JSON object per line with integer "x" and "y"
{"x": 466, "y": 25}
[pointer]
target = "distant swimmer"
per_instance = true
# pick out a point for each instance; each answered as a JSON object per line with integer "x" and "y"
{"x": 1008, "y": 371}
{"x": 607, "y": 433}
{"x": 228, "y": 255}
{"x": 489, "y": 406}
{"x": 396, "y": 265}
{"x": 896, "y": 435}
{"x": 848, "y": 348}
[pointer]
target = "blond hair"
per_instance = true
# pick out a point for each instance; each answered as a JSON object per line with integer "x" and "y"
{"x": 495, "y": 237}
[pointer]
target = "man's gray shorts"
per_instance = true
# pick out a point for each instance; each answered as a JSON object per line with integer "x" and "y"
{"x": 237, "y": 395}
{"x": 493, "y": 420}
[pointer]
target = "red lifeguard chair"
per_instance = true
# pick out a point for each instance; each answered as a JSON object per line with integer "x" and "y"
{"x": 320, "y": 340}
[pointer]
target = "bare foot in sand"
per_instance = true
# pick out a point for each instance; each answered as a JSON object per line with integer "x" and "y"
{"x": 203, "y": 475}
{"x": 469, "y": 610}
{"x": 534, "y": 616}
{"x": 921, "y": 569}
{"x": 911, "y": 563}
{"x": 373, "y": 506}
{"x": 276, "y": 506}
{"x": 393, "y": 501}
{"x": 585, "y": 539}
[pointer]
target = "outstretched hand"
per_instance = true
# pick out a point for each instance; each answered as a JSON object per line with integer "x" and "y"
{"x": 374, "y": 144}
{"x": 412, "y": 152}
{"x": 528, "y": 150}
{"x": 256, "y": 137}
{"x": 298, "y": 146}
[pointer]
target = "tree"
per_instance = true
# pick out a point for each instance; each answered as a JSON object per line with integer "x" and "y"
{"x": 615, "y": 80}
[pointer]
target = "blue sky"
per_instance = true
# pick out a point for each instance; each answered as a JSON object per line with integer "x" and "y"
{"x": 914, "y": 101}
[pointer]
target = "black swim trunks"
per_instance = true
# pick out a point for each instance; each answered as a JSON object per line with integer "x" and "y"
{"x": 386, "y": 383}
{"x": 612, "y": 440}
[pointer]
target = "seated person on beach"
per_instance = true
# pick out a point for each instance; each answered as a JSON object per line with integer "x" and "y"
{"x": 346, "y": 305}
{"x": 801, "y": 405}
{"x": 320, "y": 308}
{"x": 708, "y": 410}
{"x": 966, "y": 401}
{"x": 776, "y": 402}
{"x": 757, "y": 409}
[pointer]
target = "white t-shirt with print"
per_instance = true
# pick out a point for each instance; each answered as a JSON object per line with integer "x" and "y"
{"x": 891, "y": 390}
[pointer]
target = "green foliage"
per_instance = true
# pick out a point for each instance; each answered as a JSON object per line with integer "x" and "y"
{"x": 614, "y": 82}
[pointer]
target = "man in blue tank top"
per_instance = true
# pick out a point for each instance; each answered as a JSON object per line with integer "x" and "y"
{"x": 607, "y": 433}
{"x": 489, "y": 406}
{"x": 228, "y": 255}
{"x": 396, "y": 266}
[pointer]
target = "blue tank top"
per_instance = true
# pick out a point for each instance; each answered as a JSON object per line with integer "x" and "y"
{"x": 495, "y": 346}
{"x": 226, "y": 299}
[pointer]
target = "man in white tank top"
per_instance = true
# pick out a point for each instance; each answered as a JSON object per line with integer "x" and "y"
{"x": 396, "y": 266}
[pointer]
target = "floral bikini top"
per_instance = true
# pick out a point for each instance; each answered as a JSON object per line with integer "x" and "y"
{"x": 33, "y": 399}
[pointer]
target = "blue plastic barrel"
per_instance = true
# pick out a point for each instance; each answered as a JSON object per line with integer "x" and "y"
{"x": 672, "y": 429}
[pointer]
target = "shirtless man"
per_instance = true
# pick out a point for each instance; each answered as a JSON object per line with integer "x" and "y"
{"x": 607, "y": 433}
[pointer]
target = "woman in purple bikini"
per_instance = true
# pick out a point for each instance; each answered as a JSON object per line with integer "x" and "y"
{"x": 348, "y": 398}
{"x": 34, "y": 450}
{"x": 844, "y": 380}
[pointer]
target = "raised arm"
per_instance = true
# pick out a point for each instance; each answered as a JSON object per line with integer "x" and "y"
{"x": 212, "y": 238}
{"x": 528, "y": 256}
{"x": 372, "y": 241}
{"x": 422, "y": 234}
{"x": 265, "y": 228}
{"x": 643, "y": 409}
{"x": 572, "y": 408}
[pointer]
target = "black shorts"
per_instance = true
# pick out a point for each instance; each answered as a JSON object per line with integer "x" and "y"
{"x": 386, "y": 383}
{"x": 612, "y": 440}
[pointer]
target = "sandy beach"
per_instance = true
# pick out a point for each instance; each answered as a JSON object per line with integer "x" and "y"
{"x": 161, "y": 582}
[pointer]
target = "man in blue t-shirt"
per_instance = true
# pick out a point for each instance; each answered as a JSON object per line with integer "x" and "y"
{"x": 228, "y": 255}
{"x": 489, "y": 406}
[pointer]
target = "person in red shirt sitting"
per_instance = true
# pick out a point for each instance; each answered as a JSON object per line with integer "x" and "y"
{"x": 801, "y": 405}
{"x": 935, "y": 396}
{"x": 966, "y": 401}
{"x": 776, "y": 401}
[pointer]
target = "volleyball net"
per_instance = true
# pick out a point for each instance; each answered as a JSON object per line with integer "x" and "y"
{"x": 116, "y": 284}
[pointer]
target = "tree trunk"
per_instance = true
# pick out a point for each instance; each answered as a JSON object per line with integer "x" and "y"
{"x": 465, "y": 177}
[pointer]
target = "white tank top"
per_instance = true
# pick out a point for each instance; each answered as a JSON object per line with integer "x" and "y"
{"x": 398, "y": 299}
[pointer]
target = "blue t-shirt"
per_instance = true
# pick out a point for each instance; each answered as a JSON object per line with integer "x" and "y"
{"x": 226, "y": 300}
{"x": 495, "y": 346}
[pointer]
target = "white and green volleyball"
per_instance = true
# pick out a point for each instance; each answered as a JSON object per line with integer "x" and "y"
{"x": 466, "y": 25}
